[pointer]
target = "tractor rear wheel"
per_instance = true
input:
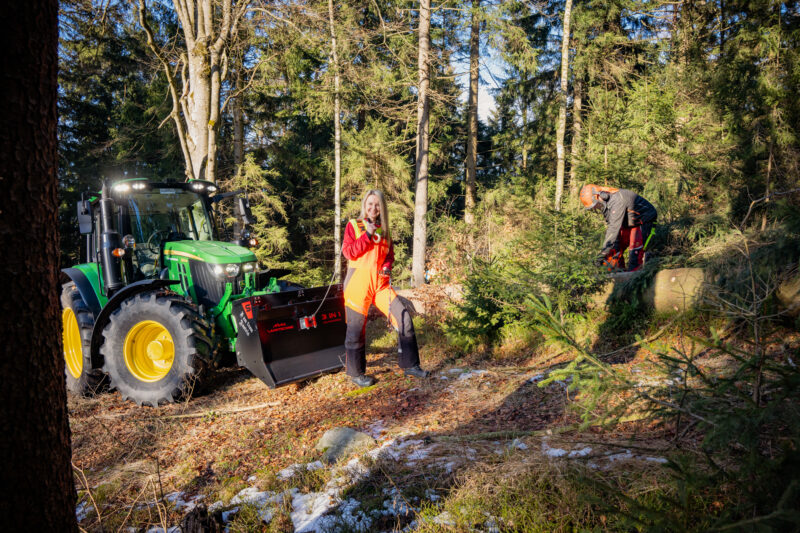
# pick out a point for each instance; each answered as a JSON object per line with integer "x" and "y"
{"x": 156, "y": 349}
{"x": 76, "y": 328}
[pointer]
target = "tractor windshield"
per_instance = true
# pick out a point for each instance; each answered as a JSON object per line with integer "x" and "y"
{"x": 173, "y": 214}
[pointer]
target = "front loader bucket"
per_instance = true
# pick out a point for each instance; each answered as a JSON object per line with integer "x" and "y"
{"x": 280, "y": 339}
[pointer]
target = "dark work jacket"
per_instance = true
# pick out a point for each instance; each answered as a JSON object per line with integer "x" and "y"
{"x": 625, "y": 209}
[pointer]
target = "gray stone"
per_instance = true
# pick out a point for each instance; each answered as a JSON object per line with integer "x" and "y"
{"x": 341, "y": 442}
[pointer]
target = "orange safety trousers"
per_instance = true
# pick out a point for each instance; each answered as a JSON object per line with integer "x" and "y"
{"x": 364, "y": 286}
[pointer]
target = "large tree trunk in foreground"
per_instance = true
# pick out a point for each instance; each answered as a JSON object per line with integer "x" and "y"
{"x": 472, "y": 115}
{"x": 337, "y": 153}
{"x": 423, "y": 144}
{"x": 562, "y": 107}
{"x": 38, "y": 489}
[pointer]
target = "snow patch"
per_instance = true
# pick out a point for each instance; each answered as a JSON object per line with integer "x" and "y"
{"x": 518, "y": 444}
{"x": 444, "y": 519}
{"x": 659, "y": 460}
{"x": 552, "y": 452}
{"x": 471, "y": 374}
{"x": 583, "y": 452}
{"x": 82, "y": 510}
{"x": 537, "y": 378}
{"x": 375, "y": 429}
{"x": 307, "y": 509}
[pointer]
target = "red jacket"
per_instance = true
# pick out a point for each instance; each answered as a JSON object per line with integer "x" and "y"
{"x": 353, "y": 248}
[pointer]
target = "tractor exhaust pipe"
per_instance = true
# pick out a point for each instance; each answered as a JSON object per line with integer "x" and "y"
{"x": 110, "y": 241}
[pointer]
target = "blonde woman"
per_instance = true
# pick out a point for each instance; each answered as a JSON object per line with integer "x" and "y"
{"x": 368, "y": 247}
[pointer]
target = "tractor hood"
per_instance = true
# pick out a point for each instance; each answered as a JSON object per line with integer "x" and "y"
{"x": 209, "y": 251}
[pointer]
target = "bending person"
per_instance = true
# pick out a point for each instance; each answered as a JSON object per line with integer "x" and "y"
{"x": 368, "y": 247}
{"x": 629, "y": 219}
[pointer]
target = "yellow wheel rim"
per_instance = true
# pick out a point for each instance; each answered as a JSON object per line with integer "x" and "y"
{"x": 149, "y": 351}
{"x": 73, "y": 347}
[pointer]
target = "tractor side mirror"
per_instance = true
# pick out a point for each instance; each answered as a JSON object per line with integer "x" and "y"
{"x": 85, "y": 217}
{"x": 243, "y": 208}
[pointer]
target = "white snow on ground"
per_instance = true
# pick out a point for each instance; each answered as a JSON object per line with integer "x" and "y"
{"x": 431, "y": 495}
{"x": 291, "y": 470}
{"x": 252, "y": 496}
{"x": 159, "y": 529}
{"x": 536, "y": 378}
{"x": 659, "y": 460}
{"x": 444, "y": 519}
{"x": 82, "y": 510}
{"x": 226, "y": 515}
{"x": 552, "y": 452}
{"x": 583, "y": 452}
{"x": 182, "y": 505}
{"x": 456, "y": 371}
{"x": 622, "y": 456}
{"x": 518, "y": 444}
{"x": 469, "y": 375}
{"x": 307, "y": 509}
{"x": 375, "y": 429}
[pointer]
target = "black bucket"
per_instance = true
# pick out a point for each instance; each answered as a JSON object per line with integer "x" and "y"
{"x": 291, "y": 336}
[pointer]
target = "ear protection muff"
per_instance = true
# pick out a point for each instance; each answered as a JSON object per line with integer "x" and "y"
{"x": 604, "y": 196}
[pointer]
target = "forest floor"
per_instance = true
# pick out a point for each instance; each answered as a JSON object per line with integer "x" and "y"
{"x": 454, "y": 452}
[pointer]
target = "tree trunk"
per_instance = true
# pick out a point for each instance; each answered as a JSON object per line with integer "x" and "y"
{"x": 423, "y": 144}
{"x": 575, "y": 150}
{"x": 238, "y": 121}
{"x": 562, "y": 107}
{"x": 38, "y": 490}
{"x": 472, "y": 115}
{"x": 208, "y": 28}
{"x": 337, "y": 154}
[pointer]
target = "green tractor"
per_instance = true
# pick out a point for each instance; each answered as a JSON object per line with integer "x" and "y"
{"x": 160, "y": 301}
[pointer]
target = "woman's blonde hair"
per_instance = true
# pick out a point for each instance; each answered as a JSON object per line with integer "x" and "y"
{"x": 384, "y": 212}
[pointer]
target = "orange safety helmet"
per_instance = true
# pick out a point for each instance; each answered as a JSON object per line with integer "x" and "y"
{"x": 590, "y": 194}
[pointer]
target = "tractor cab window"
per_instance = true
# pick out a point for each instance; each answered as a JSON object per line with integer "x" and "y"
{"x": 161, "y": 215}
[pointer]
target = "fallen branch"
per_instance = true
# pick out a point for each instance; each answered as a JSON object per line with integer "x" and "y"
{"x": 510, "y": 434}
{"x": 199, "y": 414}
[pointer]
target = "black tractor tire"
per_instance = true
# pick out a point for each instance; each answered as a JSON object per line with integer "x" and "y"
{"x": 82, "y": 379}
{"x": 191, "y": 346}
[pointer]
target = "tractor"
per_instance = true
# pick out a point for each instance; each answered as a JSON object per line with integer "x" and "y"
{"x": 160, "y": 301}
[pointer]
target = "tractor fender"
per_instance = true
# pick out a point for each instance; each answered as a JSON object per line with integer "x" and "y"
{"x": 85, "y": 289}
{"x": 101, "y": 319}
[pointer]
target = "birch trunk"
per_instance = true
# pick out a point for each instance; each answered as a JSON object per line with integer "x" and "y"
{"x": 472, "y": 115}
{"x": 208, "y": 28}
{"x": 562, "y": 107}
{"x": 577, "y": 125}
{"x": 423, "y": 144}
{"x": 337, "y": 153}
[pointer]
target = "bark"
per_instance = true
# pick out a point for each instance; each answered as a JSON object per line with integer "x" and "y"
{"x": 577, "y": 125}
{"x": 337, "y": 153}
{"x": 208, "y": 28}
{"x": 472, "y": 115}
{"x": 38, "y": 491}
{"x": 562, "y": 106}
{"x": 237, "y": 111}
{"x": 423, "y": 144}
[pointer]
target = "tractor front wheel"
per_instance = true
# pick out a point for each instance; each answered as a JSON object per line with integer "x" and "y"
{"x": 76, "y": 329}
{"x": 156, "y": 348}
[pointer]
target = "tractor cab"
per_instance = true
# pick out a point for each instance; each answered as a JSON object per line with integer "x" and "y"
{"x": 152, "y": 215}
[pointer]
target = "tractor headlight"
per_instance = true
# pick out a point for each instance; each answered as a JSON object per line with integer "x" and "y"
{"x": 121, "y": 188}
{"x": 232, "y": 270}
{"x": 250, "y": 267}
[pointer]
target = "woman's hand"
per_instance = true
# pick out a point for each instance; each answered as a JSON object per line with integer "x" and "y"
{"x": 369, "y": 226}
